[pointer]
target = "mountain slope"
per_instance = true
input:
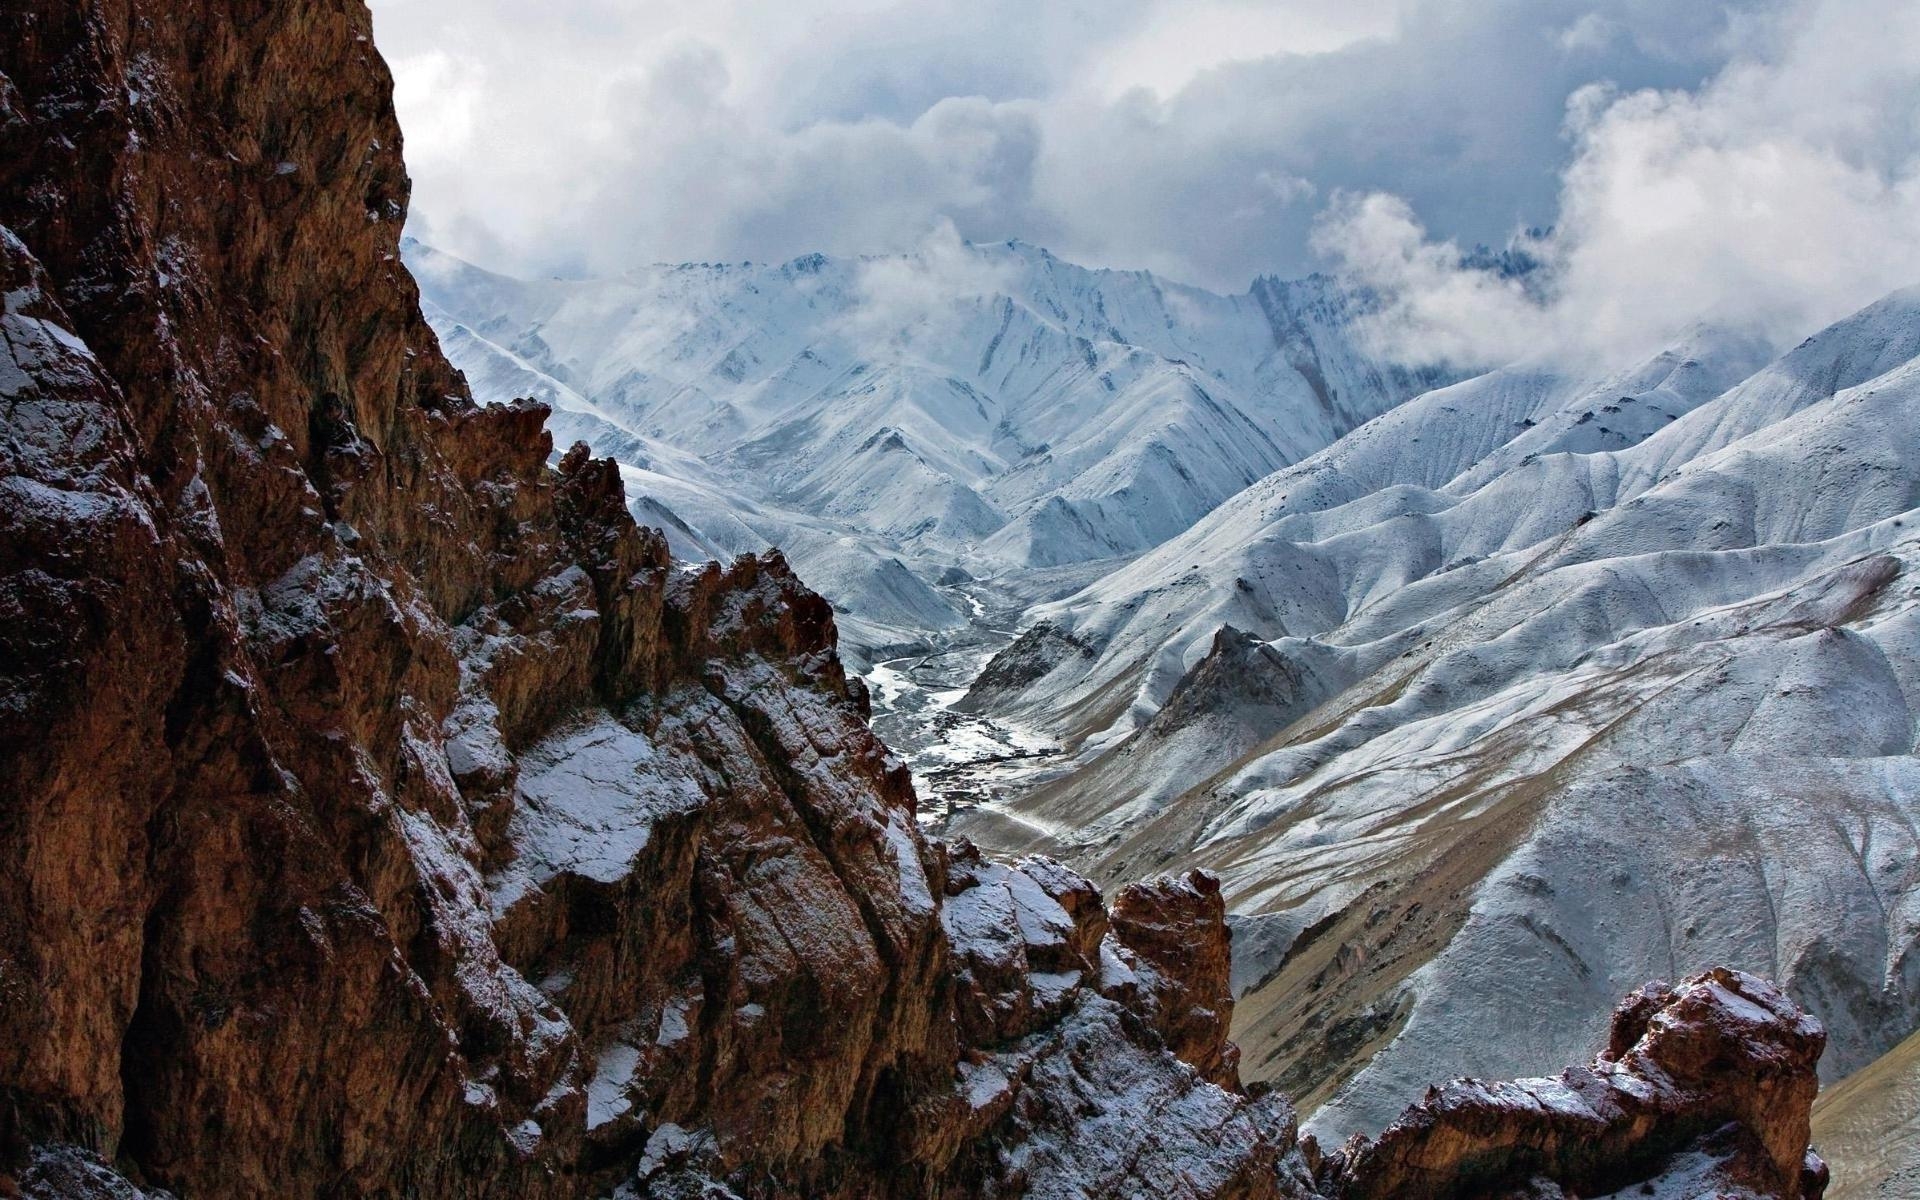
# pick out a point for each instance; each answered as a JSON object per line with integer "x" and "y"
{"x": 1870, "y": 1125}
{"x": 1508, "y": 710}
{"x": 989, "y": 409}
{"x": 1301, "y": 550}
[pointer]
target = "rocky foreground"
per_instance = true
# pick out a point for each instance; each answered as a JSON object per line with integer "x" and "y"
{"x": 384, "y": 814}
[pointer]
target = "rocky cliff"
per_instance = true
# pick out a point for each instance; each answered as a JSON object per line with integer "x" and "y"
{"x": 383, "y": 814}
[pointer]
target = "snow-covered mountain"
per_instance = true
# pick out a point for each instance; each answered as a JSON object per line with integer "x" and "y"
{"x": 1524, "y": 690}
{"x": 1539, "y": 683}
{"x": 901, "y": 425}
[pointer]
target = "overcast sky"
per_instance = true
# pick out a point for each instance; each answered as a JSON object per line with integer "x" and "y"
{"x": 1757, "y": 160}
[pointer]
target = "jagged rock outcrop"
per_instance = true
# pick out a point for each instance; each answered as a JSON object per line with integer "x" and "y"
{"x": 1710, "y": 1083}
{"x": 1174, "y": 933}
{"x": 384, "y": 814}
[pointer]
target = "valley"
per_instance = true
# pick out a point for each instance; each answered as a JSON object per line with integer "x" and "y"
{"x": 939, "y": 442}
{"x": 1415, "y": 692}
{"x": 950, "y": 724}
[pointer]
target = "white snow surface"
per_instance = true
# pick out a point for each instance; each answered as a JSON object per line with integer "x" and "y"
{"x": 589, "y": 795}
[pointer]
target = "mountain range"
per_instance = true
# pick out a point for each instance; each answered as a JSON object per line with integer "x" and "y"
{"x": 1527, "y": 687}
{"x": 1488, "y": 695}
{"x": 897, "y": 425}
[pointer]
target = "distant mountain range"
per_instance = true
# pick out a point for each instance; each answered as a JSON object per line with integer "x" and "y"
{"x": 898, "y": 424}
{"x": 1488, "y": 697}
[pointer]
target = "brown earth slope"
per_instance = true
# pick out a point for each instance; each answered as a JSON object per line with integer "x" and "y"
{"x": 1869, "y": 1126}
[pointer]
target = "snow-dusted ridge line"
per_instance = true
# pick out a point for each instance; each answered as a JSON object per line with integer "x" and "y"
{"x": 985, "y": 409}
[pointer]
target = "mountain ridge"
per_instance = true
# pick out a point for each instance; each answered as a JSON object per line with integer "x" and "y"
{"x": 986, "y": 407}
{"x": 1484, "y": 644}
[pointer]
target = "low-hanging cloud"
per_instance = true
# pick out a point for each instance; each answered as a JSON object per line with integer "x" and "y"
{"x": 1434, "y": 306}
{"x": 1778, "y": 196}
{"x": 1750, "y": 160}
{"x": 918, "y": 296}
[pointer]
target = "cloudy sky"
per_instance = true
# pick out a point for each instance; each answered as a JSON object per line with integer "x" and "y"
{"x": 1756, "y": 161}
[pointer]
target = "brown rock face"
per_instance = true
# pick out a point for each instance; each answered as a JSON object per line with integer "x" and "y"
{"x": 383, "y": 813}
{"x": 1190, "y": 1000}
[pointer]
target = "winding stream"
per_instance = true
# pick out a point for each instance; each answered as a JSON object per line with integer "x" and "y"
{"x": 959, "y": 759}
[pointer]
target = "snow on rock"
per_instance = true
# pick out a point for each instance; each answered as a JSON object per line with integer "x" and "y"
{"x": 1726, "y": 1049}
{"x": 588, "y": 798}
{"x": 1099, "y": 1116}
{"x": 607, "y": 1091}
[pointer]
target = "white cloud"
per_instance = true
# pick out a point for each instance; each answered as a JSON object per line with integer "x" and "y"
{"x": 1178, "y": 43}
{"x": 915, "y": 295}
{"x": 1752, "y": 159}
{"x": 440, "y": 93}
{"x": 1593, "y": 31}
{"x": 1780, "y": 195}
{"x": 1435, "y": 309}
